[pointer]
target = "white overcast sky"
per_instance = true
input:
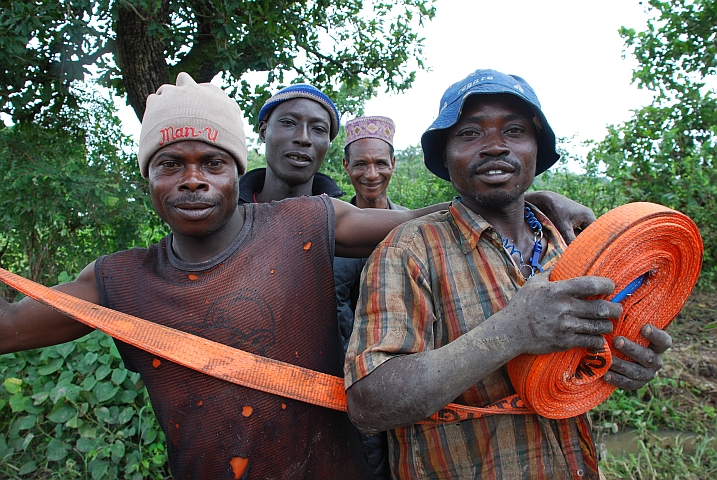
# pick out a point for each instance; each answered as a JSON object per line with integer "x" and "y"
{"x": 568, "y": 50}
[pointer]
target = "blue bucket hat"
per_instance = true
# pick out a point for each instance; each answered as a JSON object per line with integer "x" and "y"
{"x": 484, "y": 82}
{"x": 303, "y": 90}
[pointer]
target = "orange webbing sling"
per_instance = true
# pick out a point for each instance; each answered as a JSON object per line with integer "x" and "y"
{"x": 623, "y": 245}
{"x": 638, "y": 241}
{"x": 215, "y": 359}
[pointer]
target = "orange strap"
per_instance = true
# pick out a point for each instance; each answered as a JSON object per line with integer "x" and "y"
{"x": 212, "y": 358}
{"x": 622, "y": 245}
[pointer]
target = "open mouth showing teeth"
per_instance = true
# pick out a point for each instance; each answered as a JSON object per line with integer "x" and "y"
{"x": 495, "y": 172}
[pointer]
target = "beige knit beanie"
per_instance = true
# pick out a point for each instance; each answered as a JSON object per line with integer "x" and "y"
{"x": 191, "y": 111}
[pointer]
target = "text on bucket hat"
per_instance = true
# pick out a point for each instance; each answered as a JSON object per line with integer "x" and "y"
{"x": 191, "y": 111}
{"x": 484, "y": 82}
{"x": 382, "y": 128}
{"x": 303, "y": 90}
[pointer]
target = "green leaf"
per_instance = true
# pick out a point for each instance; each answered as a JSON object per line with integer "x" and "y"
{"x": 86, "y": 445}
{"x": 118, "y": 375}
{"x": 61, "y": 414}
{"x": 66, "y": 348}
{"x": 24, "y": 442}
{"x": 102, "y": 371}
{"x": 117, "y": 449}
{"x": 99, "y": 470}
{"x": 26, "y": 422}
{"x": 125, "y": 415}
{"x": 128, "y": 396}
{"x": 27, "y": 468}
{"x": 12, "y": 385}
{"x": 53, "y": 366}
{"x": 56, "y": 450}
{"x": 20, "y": 403}
{"x": 105, "y": 391}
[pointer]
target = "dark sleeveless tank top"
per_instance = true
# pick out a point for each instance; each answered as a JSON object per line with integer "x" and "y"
{"x": 270, "y": 293}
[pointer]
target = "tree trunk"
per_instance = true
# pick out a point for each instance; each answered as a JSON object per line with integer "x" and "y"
{"x": 140, "y": 56}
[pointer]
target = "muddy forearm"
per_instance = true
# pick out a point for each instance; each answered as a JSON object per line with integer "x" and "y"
{"x": 410, "y": 388}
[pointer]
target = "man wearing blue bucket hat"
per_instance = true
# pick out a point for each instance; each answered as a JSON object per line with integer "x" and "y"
{"x": 449, "y": 298}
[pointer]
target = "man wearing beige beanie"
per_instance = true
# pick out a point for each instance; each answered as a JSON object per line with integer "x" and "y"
{"x": 252, "y": 276}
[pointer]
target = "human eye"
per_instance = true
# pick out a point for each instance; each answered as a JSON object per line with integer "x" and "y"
{"x": 468, "y": 132}
{"x": 515, "y": 129}
{"x": 169, "y": 164}
{"x": 215, "y": 162}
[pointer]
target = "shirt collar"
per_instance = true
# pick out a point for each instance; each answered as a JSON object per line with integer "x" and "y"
{"x": 471, "y": 226}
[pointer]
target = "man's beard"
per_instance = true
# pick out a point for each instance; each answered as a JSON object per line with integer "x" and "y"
{"x": 499, "y": 199}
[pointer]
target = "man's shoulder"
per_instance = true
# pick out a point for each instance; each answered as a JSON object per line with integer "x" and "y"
{"x": 421, "y": 229}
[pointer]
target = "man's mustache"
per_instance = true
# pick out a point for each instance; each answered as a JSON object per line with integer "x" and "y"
{"x": 193, "y": 198}
{"x": 472, "y": 169}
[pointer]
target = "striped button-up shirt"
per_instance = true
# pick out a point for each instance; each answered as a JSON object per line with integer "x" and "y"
{"x": 430, "y": 281}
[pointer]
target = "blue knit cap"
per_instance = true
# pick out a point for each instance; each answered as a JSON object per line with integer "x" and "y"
{"x": 303, "y": 90}
{"x": 484, "y": 82}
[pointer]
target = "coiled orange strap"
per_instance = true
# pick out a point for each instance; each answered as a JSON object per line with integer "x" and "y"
{"x": 624, "y": 244}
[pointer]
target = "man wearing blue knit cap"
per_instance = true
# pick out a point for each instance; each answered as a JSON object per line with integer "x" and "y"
{"x": 448, "y": 299}
{"x": 297, "y": 125}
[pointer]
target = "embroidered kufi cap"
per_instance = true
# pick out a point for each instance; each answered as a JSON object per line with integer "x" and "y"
{"x": 191, "y": 111}
{"x": 382, "y": 128}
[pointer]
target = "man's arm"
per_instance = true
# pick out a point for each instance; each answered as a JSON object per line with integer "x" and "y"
{"x": 358, "y": 231}
{"x": 29, "y": 324}
{"x": 542, "y": 317}
{"x": 569, "y": 217}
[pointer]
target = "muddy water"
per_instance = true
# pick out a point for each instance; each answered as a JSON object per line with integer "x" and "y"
{"x": 627, "y": 442}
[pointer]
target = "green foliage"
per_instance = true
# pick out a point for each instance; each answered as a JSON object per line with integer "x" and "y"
{"x": 657, "y": 459}
{"x": 72, "y": 411}
{"x": 651, "y": 414}
{"x": 591, "y": 188}
{"x": 666, "y": 152}
{"x": 413, "y": 185}
{"x": 76, "y": 193}
{"x": 360, "y": 46}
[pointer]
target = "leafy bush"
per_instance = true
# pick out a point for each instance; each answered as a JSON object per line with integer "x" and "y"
{"x": 73, "y": 411}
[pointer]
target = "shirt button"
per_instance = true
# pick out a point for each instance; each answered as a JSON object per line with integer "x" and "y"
{"x": 580, "y": 473}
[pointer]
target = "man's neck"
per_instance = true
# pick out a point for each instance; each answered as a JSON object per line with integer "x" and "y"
{"x": 277, "y": 189}
{"x": 380, "y": 202}
{"x": 201, "y": 249}
{"x": 509, "y": 221}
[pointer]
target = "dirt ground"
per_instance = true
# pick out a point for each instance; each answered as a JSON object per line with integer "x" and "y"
{"x": 693, "y": 356}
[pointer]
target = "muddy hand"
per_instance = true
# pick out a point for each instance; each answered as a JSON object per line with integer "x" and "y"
{"x": 647, "y": 360}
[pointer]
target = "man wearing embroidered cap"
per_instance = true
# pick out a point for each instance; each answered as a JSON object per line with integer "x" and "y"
{"x": 251, "y": 276}
{"x": 448, "y": 299}
{"x": 369, "y": 160}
